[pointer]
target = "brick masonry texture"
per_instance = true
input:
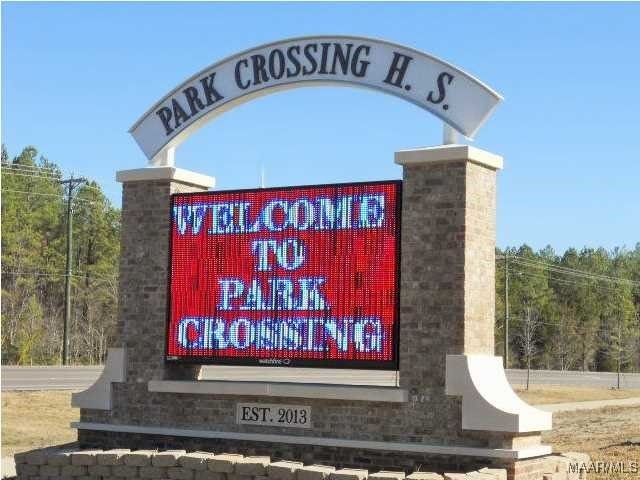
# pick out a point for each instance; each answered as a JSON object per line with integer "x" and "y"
{"x": 30, "y": 468}
{"x": 446, "y": 307}
{"x": 309, "y": 454}
{"x": 448, "y": 239}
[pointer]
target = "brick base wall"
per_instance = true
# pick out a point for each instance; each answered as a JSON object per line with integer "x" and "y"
{"x": 72, "y": 463}
{"x": 310, "y": 454}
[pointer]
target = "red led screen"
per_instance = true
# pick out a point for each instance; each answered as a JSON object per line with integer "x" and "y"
{"x": 303, "y": 276}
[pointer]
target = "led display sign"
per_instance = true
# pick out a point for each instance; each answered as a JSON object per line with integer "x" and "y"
{"x": 302, "y": 276}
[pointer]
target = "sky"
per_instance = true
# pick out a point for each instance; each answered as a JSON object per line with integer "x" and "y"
{"x": 76, "y": 76}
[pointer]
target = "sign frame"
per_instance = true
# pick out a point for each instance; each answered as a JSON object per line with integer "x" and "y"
{"x": 389, "y": 365}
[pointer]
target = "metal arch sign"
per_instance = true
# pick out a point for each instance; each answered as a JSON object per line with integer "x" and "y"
{"x": 454, "y": 96}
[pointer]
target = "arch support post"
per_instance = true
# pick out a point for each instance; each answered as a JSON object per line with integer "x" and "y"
{"x": 448, "y": 250}
{"x": 447, "y": 301}
{"x": 142, "y": 302}
{"x": 164, "y": 158}
{"x": 138, "y": 355}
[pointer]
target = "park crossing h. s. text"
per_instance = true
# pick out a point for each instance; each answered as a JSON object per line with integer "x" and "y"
{"x": 349, "y": 61}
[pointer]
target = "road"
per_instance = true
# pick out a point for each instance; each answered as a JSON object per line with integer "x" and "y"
{"x": 49, "y": 378}
{"x": 79, "y": 378}
{"x": 585, "y": 379}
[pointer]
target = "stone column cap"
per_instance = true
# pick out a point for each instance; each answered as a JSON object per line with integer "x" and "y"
{"x": 174, "y": 174}
{"x": 448, "y": 153}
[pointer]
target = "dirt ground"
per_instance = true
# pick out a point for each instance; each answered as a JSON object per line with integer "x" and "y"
{"x": 38, "y": 419}
{"x": 606, "y": 434}
{"x": 541, "y": 394}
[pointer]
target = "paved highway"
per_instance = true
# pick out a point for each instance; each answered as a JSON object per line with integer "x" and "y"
{"x": 79, "y": 378}
{"x": 49, "y": 378}
{"x": 585, "y": 379}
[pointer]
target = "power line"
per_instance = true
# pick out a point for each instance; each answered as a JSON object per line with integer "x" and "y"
{"x": 33, "y": 193}
{"x": 52, "y": 176}
{"x": 52, "y": 274}
{"x": 29, "y": 167}
{"x": 35, "y": 274}
{"x": 596, "y": 278}
{"x": 570, "y": 271}
{"x": 565, "y": 281}
{"x": 25, "y": 168}
{"x": 101, "y": 202}
{"x": 32, "y": 176}
{"x": 28, "y": 173}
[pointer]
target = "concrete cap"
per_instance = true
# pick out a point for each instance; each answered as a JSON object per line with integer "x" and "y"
{"x": 167, "y": 458}
{"x": 349, "y": 474}
{"x": 149, "y": 174}
{"x": 314, "y": 472}
{"x": 387, "y": 475}
{"x": 223, "y": 463}
{"x": 424, "y": 476}
{"x": 195, "y": 460}
{"x": 448, "y": 153}
{"x": 138, "y": 458}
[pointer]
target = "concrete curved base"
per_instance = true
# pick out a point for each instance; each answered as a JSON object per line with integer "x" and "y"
{"x": 98, "y": 395}
{"x": 488, "y": 401}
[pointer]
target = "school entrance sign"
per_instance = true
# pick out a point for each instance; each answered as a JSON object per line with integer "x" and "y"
{"x": 454, "y": 96}
{"x": 384, "y": 275}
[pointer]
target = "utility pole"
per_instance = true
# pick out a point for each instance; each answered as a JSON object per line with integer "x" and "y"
{"x": 505, "y": 358}
{"x": 71, "y": 184}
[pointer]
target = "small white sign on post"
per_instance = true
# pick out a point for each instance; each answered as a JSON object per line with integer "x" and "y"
{"x": 273, "y": 415}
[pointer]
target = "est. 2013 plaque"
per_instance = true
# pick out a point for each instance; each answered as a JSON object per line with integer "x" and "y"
{"x": 273, "y": 415}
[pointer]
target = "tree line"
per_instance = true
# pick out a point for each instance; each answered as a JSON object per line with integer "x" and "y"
{"x": 34, "y": 258}
{"x": 579, "y": 310}
{"x": 575, "y": 311}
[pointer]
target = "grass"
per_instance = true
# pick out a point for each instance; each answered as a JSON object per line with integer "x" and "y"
{"x": 38, "y": 419}
{"x": 606, "y": 434}
{"x": 541, "y": 394}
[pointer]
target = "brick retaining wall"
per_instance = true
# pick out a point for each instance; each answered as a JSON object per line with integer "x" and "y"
{"x": 72, "y": 464}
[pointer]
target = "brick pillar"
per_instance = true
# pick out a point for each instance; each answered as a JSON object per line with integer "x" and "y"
{"x": 448, "y": 259}
{"x": 144, "y": 260}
